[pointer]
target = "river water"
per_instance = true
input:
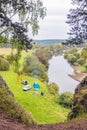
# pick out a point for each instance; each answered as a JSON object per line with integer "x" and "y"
{"x": 58, "y": 72}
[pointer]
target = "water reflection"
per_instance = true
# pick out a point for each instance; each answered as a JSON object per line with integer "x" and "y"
{"x": 58, "y": 72}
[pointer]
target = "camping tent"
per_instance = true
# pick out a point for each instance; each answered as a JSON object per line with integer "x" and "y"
{"x": 36, "y": 86}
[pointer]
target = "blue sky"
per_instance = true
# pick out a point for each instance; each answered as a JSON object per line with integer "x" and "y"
{"x": 54, "y": 24}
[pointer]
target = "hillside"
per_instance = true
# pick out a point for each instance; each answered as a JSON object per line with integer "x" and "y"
{"x": 11, "y": 121}
{"x": 79, "y": 108}
{"x": 10, "y": 107}
{"x": 43, "y": 108}
{"x": 7, "y": 123}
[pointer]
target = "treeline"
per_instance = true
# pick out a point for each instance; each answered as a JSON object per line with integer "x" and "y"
{"x": 37, "y": 63}
{"x": 77, "y": 56}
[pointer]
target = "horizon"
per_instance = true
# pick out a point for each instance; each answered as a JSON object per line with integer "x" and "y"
{"x": 51, "y": 39}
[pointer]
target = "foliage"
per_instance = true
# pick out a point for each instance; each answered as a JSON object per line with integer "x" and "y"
{"x": 72, "y": 59}
{"x": 14, "y": 61}
{"x": 33, "y": 67}
{"x": 79, "y": 102}
{"x": 4, "y": 64}
{"x": 77, "y": 18}
{"x": 3, "y": 41}
{"x": 53, "y": 88}
{"x": 26, "y": 13}
{"x": 81, "y": 61}
{"x": 56, "y": 49}
{"x": 77, "y": 56}
{"x": 72, "y": 50}
{"x": 83, "y": 57}
{"x": 85, "y": 65}
{"x": 44, "y": 53}
{"x": 66, "y": 99}
{"x": 84, "y": 53}
{"x": 72, "y": 54}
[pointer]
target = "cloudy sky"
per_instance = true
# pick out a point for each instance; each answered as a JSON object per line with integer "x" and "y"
{"x": 54, "y": 24}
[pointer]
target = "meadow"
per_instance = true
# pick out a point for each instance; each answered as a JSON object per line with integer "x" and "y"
{"x": 44, "y": 109}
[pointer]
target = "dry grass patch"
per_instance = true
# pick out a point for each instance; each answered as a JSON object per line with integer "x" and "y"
{"x": 7, "y": 51}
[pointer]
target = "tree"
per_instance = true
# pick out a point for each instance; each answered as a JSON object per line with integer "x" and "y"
{"x": 77, "y": 19}
{"x": 33, "y": 67}
{"x": 53, "y": 88}
{"x": 16, "y": 16}
{"x": 84, "y": 53}
{"x": 66, "y": 99}
{"x": 26, "y": 13}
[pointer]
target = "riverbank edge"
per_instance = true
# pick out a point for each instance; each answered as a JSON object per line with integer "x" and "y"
{"x": 79, "y": 74}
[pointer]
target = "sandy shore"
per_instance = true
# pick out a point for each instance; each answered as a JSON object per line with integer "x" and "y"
{"x": 78, "y": 74}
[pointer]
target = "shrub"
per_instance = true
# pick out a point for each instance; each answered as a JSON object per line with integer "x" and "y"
{"x": 43, "y": 54}
{"x": 32, "y": 66}
{"x": 53, "y": 88}
{"x": 72, "y": 59}
{"x": 66, "y": 99}
{"x": 81, "y": 61}
{"x": 79, "y": 102}
{"x": 65, "y": 55}
{"x": 85, "y": 65}
{"x": 73, "y": 50}
{"x": 84, "y": 53}
{"x": 4, "y": 64}
{"x": 77, "y": 55}
{"x": 13, "y": 57}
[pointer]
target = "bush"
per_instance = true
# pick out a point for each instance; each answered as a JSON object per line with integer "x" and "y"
{"x": 85, "y": 65}
{"x": 65, "y": 55}
{"x": 13, "y": 57}
{"x": 4, "y": 64}
{"x": 53, "y": 88}
{"x": 43, "y": 54}
{"x": 32, "y": 66}
{"x": 84, "y": 53}
{"x": 66, "y": 99}
{"x": 81, "y": 61}
{"x": 13, "y": 109}
{"x": 79, "y": 102}
{"x": 72, "y": 59}
{"x": 77, "y": 55}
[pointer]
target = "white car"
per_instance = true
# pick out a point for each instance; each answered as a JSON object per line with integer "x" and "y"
{"x": 27, "y": 87}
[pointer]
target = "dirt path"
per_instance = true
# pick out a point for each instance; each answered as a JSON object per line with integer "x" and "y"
{"x": 7, "y": 123}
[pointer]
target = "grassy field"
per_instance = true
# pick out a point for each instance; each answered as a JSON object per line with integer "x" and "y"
{"x": 42, "y": 108}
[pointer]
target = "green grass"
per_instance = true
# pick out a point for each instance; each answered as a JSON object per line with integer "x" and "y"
{"x": 43, "y": 108}
{"x": 83, "y": 68}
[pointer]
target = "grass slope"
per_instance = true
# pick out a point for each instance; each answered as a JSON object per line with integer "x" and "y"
{"x": 11, "y": 108}
{"x": 42, "y": 108}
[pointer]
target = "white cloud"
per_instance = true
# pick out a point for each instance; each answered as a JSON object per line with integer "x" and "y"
{"x": 54, "y": 25}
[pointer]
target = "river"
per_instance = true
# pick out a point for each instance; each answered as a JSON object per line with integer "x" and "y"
{"x": 58, "y": 72}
